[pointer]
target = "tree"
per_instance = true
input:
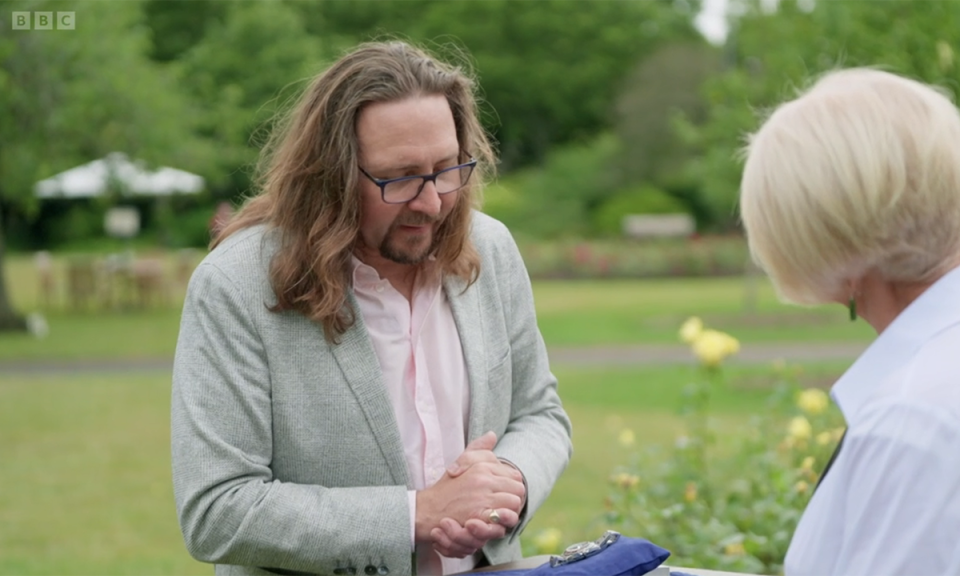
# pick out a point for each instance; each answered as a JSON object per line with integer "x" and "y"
{"x": 773, "y": 54}
{"x": 241, "y": 74}
{"x": 70, "y": 96}
{"x": 551, "y": 69}
{"x": 665, "y": 84}
{"x": 175, "y": 26}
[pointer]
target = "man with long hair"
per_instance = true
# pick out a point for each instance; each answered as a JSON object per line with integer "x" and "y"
{"x": 360, "y": 385}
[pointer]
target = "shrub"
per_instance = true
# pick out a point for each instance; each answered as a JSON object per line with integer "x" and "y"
{"x": 81, "y": 220}
{"x": 732, "y": 507}
{"x": 555, "y": 199}
{"x": 608, "y": 217}
{"x": 189, "y": 229}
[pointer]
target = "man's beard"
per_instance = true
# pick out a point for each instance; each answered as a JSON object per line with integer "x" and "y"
{"x": 393, "y": 251}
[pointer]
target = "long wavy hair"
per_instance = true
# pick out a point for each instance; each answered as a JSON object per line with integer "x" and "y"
{"x": 307, "y": 177}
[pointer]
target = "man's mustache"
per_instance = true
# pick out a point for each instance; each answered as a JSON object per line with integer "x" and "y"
{"x": 417, "y": 220}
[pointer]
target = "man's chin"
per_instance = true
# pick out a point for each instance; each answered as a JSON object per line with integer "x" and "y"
{"x": 408, "y": 249}
{"x": 411, "y": 256}
{"x": 403, "y": 258}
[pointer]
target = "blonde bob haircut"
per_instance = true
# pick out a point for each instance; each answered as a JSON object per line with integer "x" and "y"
{"x": 861, "y": 172}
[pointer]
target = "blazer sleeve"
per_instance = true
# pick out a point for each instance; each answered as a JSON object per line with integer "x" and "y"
{"x": 538, "y": 437}
{"x": 231, "y": 508}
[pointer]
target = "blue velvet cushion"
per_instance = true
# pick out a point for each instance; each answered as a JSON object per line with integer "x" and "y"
{"x": 625, "y": 557}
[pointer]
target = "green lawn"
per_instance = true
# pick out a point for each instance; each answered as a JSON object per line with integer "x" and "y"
{"x": 651, "y": 311}
{"x": 86, "y": 477}
{"x": 85, "y": 480}
{"x": 141, "y": 335}
{"x": 86, "y": 474}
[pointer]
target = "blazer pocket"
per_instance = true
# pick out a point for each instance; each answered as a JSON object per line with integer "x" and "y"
{"x": 499, "y": 375}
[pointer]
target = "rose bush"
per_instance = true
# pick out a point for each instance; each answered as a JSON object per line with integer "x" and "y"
{"x": 731, "y": 507}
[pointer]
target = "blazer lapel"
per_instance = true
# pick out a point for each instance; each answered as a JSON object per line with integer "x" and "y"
{"x": 359, "y": 364}
{"x": 466, "y": 314}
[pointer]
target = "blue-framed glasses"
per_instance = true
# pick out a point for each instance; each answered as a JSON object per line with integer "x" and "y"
{"x": 406, "y": 188}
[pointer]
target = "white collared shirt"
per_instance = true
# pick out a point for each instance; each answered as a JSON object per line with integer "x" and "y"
{"x": 891, "y": 502}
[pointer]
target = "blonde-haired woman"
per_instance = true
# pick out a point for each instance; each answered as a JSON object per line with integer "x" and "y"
{"x": 851, "y": 194}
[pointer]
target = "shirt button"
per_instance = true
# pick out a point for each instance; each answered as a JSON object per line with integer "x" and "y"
{"x": 383, "y": 570}
{"x": 370, "y": 570}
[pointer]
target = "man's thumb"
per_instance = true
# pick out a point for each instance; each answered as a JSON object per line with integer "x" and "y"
{"x": 485, "y": 442}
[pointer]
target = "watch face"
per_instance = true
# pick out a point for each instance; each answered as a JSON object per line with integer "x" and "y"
{"x": 578, "y": 547}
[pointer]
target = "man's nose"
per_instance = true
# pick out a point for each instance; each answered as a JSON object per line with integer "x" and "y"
{"x": 428, "y": 201}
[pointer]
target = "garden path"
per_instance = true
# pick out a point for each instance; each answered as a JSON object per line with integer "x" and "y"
{"x": 659, "y": 354}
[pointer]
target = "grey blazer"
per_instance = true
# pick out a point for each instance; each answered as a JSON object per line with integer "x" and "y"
{"x": 286, "y": 452}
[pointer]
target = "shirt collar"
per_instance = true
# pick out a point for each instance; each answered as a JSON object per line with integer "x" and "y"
{"x": 936, "y": 309}
{"x": 363, "y": 274}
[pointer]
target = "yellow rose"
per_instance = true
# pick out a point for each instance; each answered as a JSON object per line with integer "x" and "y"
{"x": 799, "y": 428}
{"x": 734, "y": 549}
{"x": 712, "y": 346}
{"x": 691, "y": 329}
{"x": 838, "y": 433}
{"x": 626, "y": 481}
{"x": 548, "y": 541}
{"x": 824, "y": 438}
{"x": 812, "y": 401}
{"x": 733, "y": 345}
{"x": 801, "y": 487}
{"x": 626, "y": 437}
{"x": 807, "y": 463}
{"x": 690, "y": 492}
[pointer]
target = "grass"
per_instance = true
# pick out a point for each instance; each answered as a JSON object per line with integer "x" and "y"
{"x": 650, "y": 311}
{"x": 86, "y": 477}
{"x": 570, "y": 313}
{"x": 143, "y": 335}
{"x": 86, "y": 471}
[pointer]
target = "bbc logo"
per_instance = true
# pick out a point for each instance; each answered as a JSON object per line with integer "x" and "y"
{"x": 44, "y": 20}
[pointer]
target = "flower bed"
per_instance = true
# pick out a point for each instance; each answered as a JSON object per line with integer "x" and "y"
{"x": 696, "y": 256}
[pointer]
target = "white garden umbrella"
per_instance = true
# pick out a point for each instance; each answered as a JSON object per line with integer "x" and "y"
{"x": 95, "y": 178}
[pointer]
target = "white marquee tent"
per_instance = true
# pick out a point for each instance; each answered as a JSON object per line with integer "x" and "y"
{"x": 95, "y": 178}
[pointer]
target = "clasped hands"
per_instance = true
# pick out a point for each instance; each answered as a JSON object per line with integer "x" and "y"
{"x": 477, "y": 500}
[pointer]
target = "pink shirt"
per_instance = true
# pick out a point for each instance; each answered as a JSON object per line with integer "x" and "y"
{"x": 418, "y": 346}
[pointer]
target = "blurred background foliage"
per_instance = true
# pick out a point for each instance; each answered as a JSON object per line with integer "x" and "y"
{"x": 598, "y": 108}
